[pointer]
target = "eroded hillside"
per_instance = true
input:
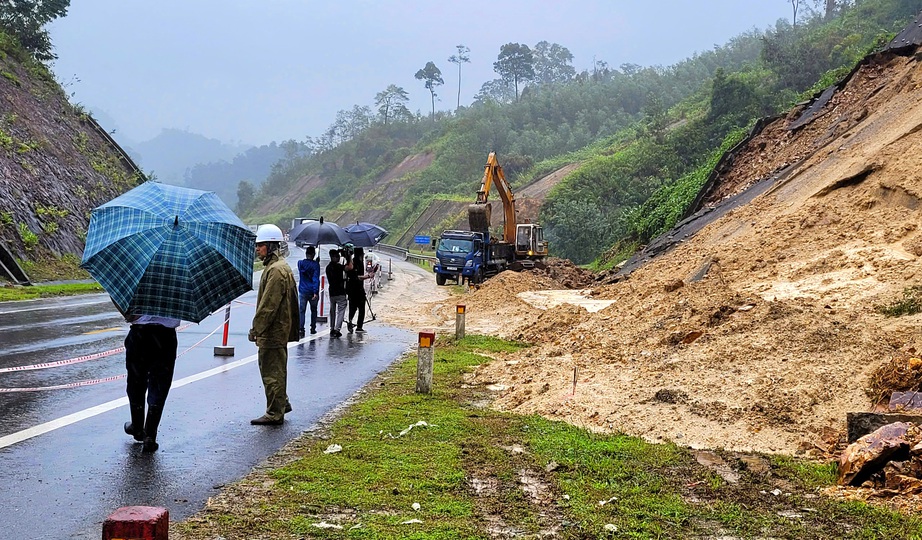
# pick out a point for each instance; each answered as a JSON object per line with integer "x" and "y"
{"x": 56, "y": 163}
{"x": 759, "y": 332}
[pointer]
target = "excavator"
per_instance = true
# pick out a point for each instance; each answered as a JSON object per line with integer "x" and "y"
{"x": 475, "y": 255}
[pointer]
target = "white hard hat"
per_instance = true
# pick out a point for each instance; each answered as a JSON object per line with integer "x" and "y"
{"x": 269, "y": 233}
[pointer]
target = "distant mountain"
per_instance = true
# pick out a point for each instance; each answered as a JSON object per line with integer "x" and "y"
{"x": 171, "y": 153}
{"x": 223, "y": 177}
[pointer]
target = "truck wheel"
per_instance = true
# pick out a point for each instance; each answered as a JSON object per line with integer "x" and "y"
{"x": 479, "y": 277}
{"x": 440, "y": 279}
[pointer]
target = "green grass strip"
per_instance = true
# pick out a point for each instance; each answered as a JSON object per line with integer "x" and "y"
{"x": 543, "y": 478}
{"x": 46, "y": 291}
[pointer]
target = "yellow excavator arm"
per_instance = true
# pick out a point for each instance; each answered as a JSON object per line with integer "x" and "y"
{"x": 479, "y": 211}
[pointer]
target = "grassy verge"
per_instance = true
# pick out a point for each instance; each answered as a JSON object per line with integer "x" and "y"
{"x": 478, "y": 473}
{"x": 44, "y": 291}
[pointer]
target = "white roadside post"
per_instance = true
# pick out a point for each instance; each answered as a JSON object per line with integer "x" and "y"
{"x": 424, "y": 362}
{"x": 459, "y": 321}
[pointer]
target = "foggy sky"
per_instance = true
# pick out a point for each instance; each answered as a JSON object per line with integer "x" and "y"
{"x": 255, "y": 71}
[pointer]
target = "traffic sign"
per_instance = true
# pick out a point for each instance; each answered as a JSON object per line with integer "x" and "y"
{"x": 421, "y": 239}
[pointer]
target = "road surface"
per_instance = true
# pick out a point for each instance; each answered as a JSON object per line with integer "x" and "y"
{"x": 65, "y": 463}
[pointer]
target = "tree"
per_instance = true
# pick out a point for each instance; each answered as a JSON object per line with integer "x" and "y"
{"x": 392, "y": 102}
{"x": 26, "y": 20}
{"x": 795, "y": 5}
{"x": 553, "y": 63}
{"x": 515, "y": 63}
{"x": 245, "y": 197}
{"x": 497, "y": 90}
{"x": 433, "y": 77}
{"x": 460, "y": 58}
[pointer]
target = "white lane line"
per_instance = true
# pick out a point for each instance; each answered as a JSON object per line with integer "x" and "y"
{"x": 64, "y": 421}
{"x": 41, "y": 308}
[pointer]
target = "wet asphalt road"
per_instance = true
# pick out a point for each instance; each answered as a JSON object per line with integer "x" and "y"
{"x": 65, "y": 463}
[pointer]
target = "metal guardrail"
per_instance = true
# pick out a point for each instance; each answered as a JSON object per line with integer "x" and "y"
{"x": 424, "y": 260}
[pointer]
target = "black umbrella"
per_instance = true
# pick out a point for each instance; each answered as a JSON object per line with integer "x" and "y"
{"x": 319, "y": 232}
{"x": 365, "y": 234}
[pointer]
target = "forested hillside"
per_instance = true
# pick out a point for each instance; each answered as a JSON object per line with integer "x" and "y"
{"x": 644, "y": 138}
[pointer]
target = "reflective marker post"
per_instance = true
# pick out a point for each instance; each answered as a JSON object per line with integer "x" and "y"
{"x": 424, "y": 362}
{"x": 459, "y": 321}
{"x": 323, "y": 288}
{"x": 224, "y": 350}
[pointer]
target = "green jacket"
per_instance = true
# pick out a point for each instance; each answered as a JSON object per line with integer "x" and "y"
{"x": 277, "y": 318}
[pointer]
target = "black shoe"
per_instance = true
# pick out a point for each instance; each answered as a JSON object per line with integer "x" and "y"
{"x": 349, "y": 327}
{"x": 266, "y": 421}
{"x": 313, "y": 330}
{"x": 154, "y": 413}
{"x": 138, "y": 434}
{"x": 301, "y": 334}
{"x": 359, "y": 329}
{"x": 150, "y": 445}
{"x": 288, "y": 408}
{"x": 135, "y": 428}
{"x": 335, "y": 333}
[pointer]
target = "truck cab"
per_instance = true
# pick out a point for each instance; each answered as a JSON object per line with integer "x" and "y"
{"x": 460, "y": 256}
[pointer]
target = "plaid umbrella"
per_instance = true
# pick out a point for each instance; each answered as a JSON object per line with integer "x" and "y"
{"x": 169, "y": 251}
{"x": 365, "y": 234}
{"x": 319, "y": 232}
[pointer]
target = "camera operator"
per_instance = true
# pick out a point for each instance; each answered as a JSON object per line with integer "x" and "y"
{"x": 355, "y": 289}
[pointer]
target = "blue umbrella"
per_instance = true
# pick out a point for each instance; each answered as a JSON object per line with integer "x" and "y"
{"x": 318, "y": 232}
{"x": 169, "y": 251}
{"x": 365, "y": 234}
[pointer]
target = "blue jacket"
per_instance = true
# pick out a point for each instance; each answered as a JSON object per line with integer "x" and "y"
{"x": 309, "y": 272}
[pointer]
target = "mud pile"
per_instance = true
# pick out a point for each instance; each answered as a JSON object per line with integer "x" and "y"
{"x": 780, "y": 338}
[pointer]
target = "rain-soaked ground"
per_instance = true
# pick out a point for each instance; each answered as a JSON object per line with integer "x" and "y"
{"x": 65, "y": 463}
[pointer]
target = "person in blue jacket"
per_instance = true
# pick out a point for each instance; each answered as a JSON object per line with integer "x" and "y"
{"x": 308, "y": 287}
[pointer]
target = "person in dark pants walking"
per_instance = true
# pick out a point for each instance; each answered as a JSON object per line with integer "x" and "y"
{"x": 336, "y": 278}
{"x": 150, "y": 356}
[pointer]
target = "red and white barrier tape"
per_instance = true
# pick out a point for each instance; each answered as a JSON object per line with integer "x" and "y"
{"x": 85, "y": 359}
{"x": 62, "y": 386}
{"x": 77, "y": 360}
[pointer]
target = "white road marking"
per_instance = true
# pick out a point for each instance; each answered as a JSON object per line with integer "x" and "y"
{"x": 42, "y": 308}
{"x": 41, "y": 429}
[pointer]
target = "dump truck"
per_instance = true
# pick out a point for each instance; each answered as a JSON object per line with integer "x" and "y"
{"x": 477, "y": 254}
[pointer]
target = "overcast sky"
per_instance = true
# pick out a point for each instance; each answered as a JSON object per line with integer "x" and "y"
{"x": 256, "y": 71}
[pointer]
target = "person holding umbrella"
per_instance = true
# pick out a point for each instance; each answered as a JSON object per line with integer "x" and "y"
{"x": 355, "y": 290}
{"x": 336, "y": 279}
{"x": 150, "y": 357}
{"x": 164, "y": 254}
{"x": 275, "y": 323}
{"x": 308, "y": 288}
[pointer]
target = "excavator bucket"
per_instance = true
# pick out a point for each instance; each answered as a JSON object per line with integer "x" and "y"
{"x": 478, "y": 217}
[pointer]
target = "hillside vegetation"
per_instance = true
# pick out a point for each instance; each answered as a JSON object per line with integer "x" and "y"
{"x": 56, "y": 165}
{"x": 643, "y": 138}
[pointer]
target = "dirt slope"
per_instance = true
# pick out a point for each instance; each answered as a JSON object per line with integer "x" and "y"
{"x": 776, "y": 343}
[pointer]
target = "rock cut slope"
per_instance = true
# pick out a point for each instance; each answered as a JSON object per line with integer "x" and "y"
{"x": 759, "y": 332}
{"x": 56, "y": 162}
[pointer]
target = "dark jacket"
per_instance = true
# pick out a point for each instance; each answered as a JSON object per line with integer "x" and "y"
{"x": 336, "y": 277}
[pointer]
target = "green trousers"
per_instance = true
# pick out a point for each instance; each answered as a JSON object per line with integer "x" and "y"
{"x": 273, "y": 367}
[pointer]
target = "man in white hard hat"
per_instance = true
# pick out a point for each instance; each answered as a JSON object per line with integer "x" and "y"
{"x": 275, "y": 323}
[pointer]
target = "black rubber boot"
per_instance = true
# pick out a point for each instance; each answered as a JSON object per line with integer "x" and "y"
{"x": 137, "y": 419}
{"x": 154, "y": 412}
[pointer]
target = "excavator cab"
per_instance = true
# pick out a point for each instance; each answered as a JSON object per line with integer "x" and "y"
{"x": 530, "y": 242}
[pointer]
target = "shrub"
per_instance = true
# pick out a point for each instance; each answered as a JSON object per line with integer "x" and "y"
{"x": 29, "y": 238}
